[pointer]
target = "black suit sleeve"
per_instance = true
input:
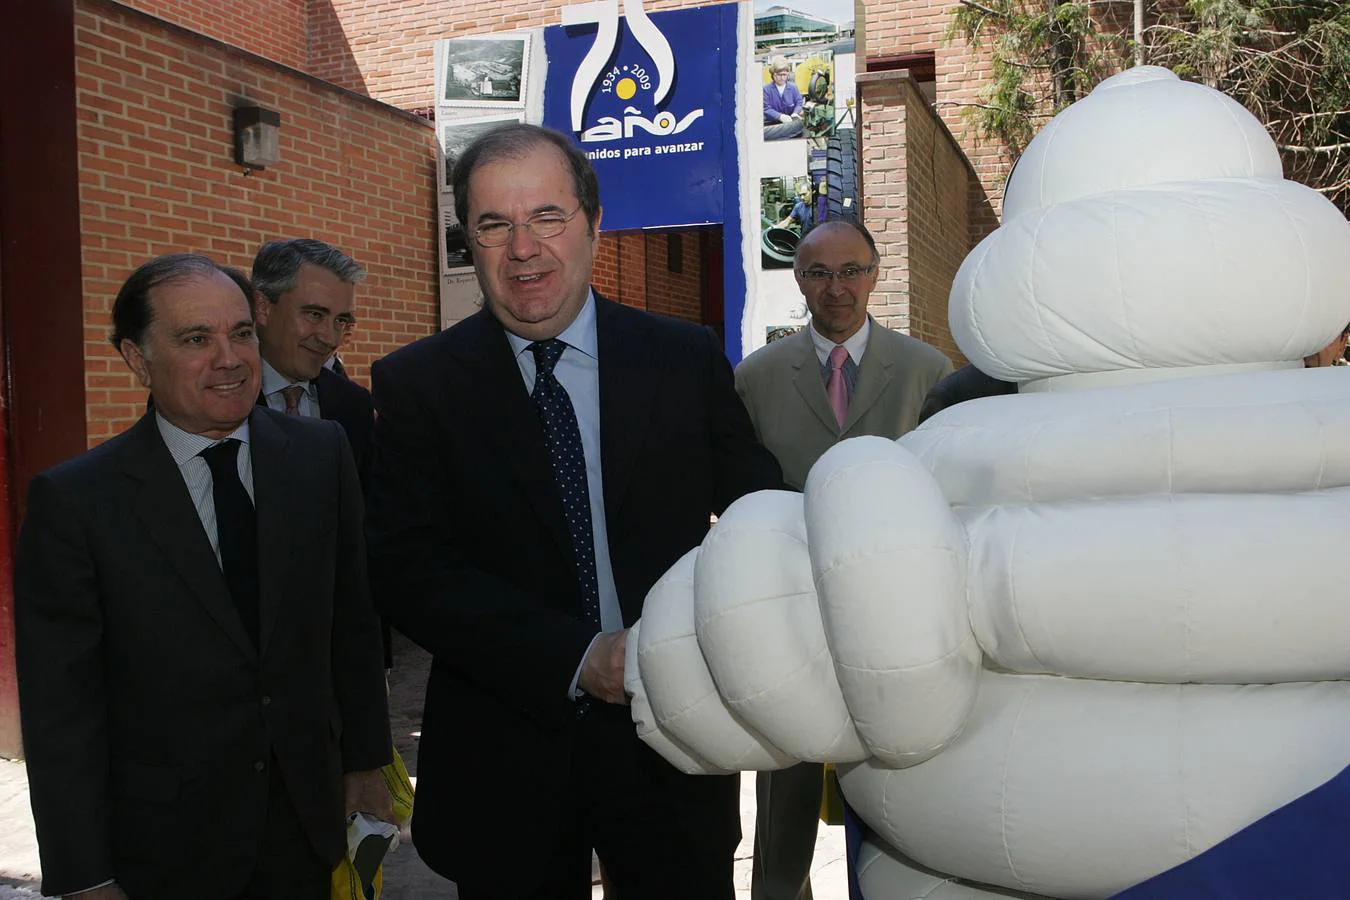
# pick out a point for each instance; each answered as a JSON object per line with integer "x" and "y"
{"x": 59, "y": 650}
{"x": 425, "y": 564}
{"x": 966, "y": 383}
{"x": 743, "y": 466}
{"x": 358, "y": 665}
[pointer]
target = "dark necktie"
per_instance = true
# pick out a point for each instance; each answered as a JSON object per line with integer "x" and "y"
{"x": 237, "y": 530}
{"x": 563, "y": 437}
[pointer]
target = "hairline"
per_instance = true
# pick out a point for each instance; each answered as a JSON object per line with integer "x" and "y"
{"x": 321, "y": 255}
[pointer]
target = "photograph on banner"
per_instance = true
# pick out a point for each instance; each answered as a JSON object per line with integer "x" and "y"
{"x": 486, "y": 70}
{"x": 456, "y": 133}
{"x": 461, "y": 296}
{"x": 457, "y": 248}
{"x": 787, "y": 210}
{"x": 799, "y": 96}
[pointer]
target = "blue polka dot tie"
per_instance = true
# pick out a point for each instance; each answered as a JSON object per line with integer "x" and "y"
{"x": 563, "y": 437}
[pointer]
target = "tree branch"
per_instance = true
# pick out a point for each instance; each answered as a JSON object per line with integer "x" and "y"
{"x": 1325, "y": 149}
{"x": 980, "y": 7}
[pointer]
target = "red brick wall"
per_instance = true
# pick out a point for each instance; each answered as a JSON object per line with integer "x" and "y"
{"x": 605, "y": 273}
{"x": 901, "y": 27}
{"x": 675, "y": 294}
{"x": 938, "y": 185}
{"x": 157, "y": 175}
{"x": 632, "y": 272}
{"x": 632, "y": 268}
{"x": 916, "y": 203}
{"x": 271, "y": 28}
{"x": 385, "y": 48}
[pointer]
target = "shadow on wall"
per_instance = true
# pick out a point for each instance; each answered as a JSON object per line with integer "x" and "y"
{"x": 330, "y": 53}
{"x": 983, "y": 217}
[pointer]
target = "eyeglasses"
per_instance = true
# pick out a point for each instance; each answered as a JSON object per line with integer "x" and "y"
{"x": 847, "y": 273}
{"x": 541, "y": 225}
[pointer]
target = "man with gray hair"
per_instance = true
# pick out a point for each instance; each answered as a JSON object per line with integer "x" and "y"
{"x": 304, "y": 292}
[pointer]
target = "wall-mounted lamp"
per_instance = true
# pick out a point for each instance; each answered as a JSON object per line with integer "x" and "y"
{"x": 257, "y": 143}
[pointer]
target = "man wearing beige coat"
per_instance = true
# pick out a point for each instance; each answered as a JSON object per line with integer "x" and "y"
{"x": 843, "y": 376}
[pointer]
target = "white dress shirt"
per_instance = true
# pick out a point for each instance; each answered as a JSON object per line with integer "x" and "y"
{"x": 856, "y": 345}
{"x": 184, "y": 447}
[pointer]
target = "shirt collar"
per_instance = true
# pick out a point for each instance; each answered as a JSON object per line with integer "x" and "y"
{"x": 183, "y": 445}
{"x": 273, "y": 381}
{"x": 579, "y": 335}
{"x": 856, "y": 345}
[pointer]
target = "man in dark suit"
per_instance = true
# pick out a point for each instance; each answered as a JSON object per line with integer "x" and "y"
{"x": 304, "y": 300}
{"x": 966, "y": 383}
{"x": 537, "y": 468}
{"x": 200, "y": 682}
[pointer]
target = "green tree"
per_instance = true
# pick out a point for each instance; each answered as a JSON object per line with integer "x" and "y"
{"x": 1288, "y": 61}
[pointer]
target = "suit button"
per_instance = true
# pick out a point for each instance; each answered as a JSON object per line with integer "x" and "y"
{"x": 266, "y": 700}
{"x": 259, "y": 766}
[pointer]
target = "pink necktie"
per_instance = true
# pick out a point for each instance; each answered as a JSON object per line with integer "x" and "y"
{"x": 291, "y": 394}
{"x": 835, "y": 388}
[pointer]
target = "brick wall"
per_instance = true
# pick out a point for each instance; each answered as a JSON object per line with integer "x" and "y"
{"x": 885, "y": 202}
{"x": 605, "y": 273}
{"x": 904, "y": 27}
{"x": 385, "y": 48}
{"x": 271, "y": 28}
{"x": 675, "y": 294}
{"x": 916, "y": 203}
{"x": 157, "y": 175}
{"x": 938, "y": 180}
{"x": 631, "y": 277}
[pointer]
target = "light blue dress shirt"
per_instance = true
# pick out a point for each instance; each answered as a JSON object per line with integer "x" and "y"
{"x": 578, "y": 371}
{"x": 273, "y": 383}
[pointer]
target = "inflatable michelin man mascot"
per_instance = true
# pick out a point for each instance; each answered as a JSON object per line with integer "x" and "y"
{"x": 1094, "y": 637}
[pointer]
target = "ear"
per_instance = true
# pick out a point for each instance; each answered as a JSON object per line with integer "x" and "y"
{"x": 136, "y": 361}
{"x": 261, "y": 308}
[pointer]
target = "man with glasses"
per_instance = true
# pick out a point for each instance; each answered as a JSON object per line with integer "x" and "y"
{"x": 842, "y": 376}
{"x": 782, "y": 102}
{"x": 538, "y": 467}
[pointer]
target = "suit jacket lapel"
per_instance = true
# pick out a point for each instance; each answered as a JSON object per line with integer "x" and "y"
{"x": 275, "y": 500}
{"x": 628, "y": 381}
{"x": 874, "y": 374}
{"x": 808, "y": 381}
{"x": 506, "y": 418}
{"x": 164, "y": 507}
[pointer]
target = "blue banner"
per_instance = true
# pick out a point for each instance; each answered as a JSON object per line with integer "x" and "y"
{"x": 1301, "y": 851}
{"x": 645, "y": 97}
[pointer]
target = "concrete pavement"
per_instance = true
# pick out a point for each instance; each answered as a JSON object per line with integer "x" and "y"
{"x": 406, "y": 877}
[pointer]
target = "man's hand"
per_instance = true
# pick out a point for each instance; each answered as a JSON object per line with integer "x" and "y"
{"x": 366, "y": 792}
{"x": 602, "y": 670}
{"x": 784, "y": 118}
{"x": 107, "y": 892}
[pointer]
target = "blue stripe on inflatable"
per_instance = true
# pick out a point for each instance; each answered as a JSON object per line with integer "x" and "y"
{"x": 1299, "y": 852}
